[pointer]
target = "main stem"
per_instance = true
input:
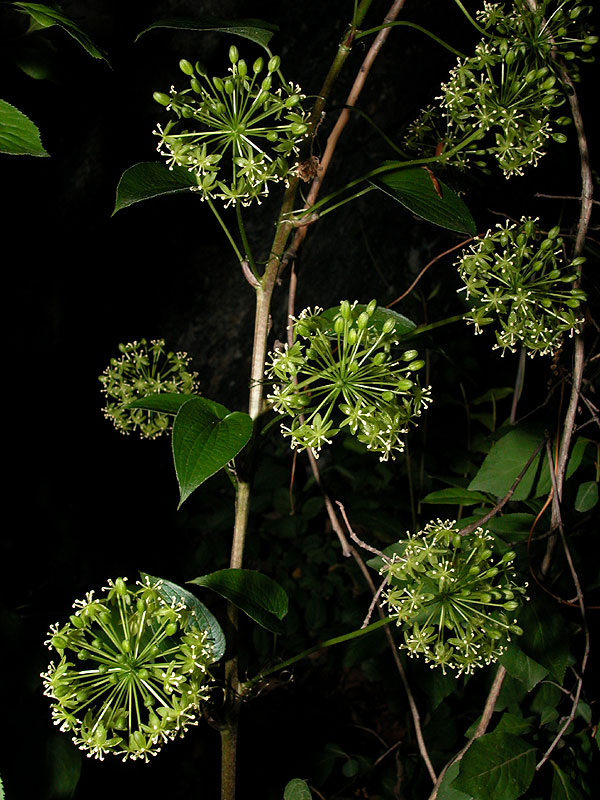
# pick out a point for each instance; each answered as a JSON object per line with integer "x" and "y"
{"x": 264, "y": 293}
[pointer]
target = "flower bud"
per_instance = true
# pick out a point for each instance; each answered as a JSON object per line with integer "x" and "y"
{"x": 258, "y": 65}
{"x": 274, "y": 63}
{"x": 242, "y": 68}
{"x": 186, "y": 67}
{"x": 162, "y": 98}
{"x": 233, "y": 54}
{"x": 362, "y": 321}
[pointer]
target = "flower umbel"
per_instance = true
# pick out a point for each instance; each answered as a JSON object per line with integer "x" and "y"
{"x": 342, "y": 373}
{"x": 238, "y": 133}
{"x": 142, "y": 370}
{"x": 500, "y": 101}
{"x": 454, "y": 601}
{"x": 518, "y": 279}
{"x": 132, "y": 671}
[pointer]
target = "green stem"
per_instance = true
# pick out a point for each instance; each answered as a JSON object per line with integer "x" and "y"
{"x": 471, "y": 20}
{"x": 449, "y": 47}
{"x": 346, "y": 637}
{"x": 423, "y": 328}
{"x": 345, "y": 200}
{"x": 230, "y": 238}
{"x": 245, "y": 242}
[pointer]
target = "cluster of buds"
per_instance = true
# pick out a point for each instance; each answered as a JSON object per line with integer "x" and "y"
{"x": 133, "y": 671}
{"x": 519, "y": 280}
{"x": 453, "y": 600}
{"x": 237, "y": 134}
{"x": 142, "y": 370}
{"x": 499, "y": 102}
{"x": 344, "y": 375}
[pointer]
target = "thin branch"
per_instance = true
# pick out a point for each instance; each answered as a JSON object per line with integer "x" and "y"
{"x": 474, "y": 525}
{"x": 484, "y": 722}
{"x": 586, "y": 650}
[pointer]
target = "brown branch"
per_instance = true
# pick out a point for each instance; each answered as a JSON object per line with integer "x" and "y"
{"x": 484, "y": 722}
{"x": 342, "y": 121}
{"x": 586, "y": 650}
{"x": 474, "y": 525}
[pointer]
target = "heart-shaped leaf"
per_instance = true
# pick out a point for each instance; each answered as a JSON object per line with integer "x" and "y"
{"x": 206, "y": 436}
{"x": 151, "y": 179}
{"x": 170, "y": 403}
{"x": 426, "y": 196}
{"x": 402, "y": 325}
{"x": 200, "y": 616}
{"x": 257, "y": 595}
{"x": 254, "y": 29}
{"x": 18, "y": 135}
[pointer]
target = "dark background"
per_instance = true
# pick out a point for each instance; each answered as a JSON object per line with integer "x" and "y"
{"x": 84, "y": 503}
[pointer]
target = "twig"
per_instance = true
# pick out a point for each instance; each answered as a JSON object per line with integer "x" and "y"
{"x": 355, "y": 538}
{"x": 474, "y": 525}
{"x": 484, "y": 722}
{"x": 342, "y": 121}
{"x": 586, "y": 650}
{"x": 426, "y": 267}
{"x": 563, "y": 197}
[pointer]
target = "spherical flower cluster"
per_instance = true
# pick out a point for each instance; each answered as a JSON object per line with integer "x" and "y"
{"x": 237, "y": 134}
{"x": 132, "y": 671}
{"x": 519, "y": 280}
{"x": 142, "y": 370}
{"x": 453, "y": 600}
{"x": 345, "y": 376}
{"x": 499, "y": 101}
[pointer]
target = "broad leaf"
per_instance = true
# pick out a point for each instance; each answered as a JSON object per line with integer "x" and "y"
{"x": 254, "y": 29}
{"x": 151, "y": 179}
{"x": 257, "y": 595}
{"x": 402, "y": 325}
{"x": 206, "y": 436}
{"x": 563, "y": 788}
{"x": 46, "y": 17}
{"x": 447, "y": 790}
{"x": 456, "y": 496}
{"x": 545, "y": 636}
{"x": 521, "y": 667}
{"x": 417, "y": 190}
{"x": 18, "y": 135}
{"x": 297, "y": 789}
{"x": 170, "y": 403}
{"x": 64, "y": 766}
{"x": 497, "y": 765}
{"x": 200, "y": 616}
{"x": 505, "y": 461}
{"x": 587, "y": 496}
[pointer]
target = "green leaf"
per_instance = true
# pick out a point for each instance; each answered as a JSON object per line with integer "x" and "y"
{"x": 545, "y": 637}
{"x": 64, "y": 764}
{"x": 456, "y": 496}
{"x": 414, "y": 188}
{"x": 257, "y": 595}
{"x": 509, "y": 525}
{"x": 151, "y": 179}
{"x": 497, "y": 765}
{"x": 46, "y": 17}
{"x": 254, "y": 29}
{"x": 170, "y": 403}
{"x": 200, "y": 616}
{"x": 1, "y": 790}
{"x": 563, "y": 787}
{"x": 506, "y": 459}
{"x": 206, "y": 436}
{"x": 297, "y": 789}
{"x": 493, "y": 395}
{"x": 447, "y": 790}
{"x": 18, "y": 135}
{"x": 521, "y": 667}
{"x": 587, "y": 496}
{"x": 402, "y": 325}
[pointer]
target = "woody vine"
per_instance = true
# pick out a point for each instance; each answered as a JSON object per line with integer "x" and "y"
{"x": 142, "y": 660}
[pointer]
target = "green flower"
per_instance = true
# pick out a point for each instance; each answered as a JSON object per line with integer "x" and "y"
{"x": 142, "y": 370}
{"x": 132, "y": 672}
{"x": 519, "y": 280}
{"x": 453, "y": 600}
{"x": 499, "y": 102}
{"x": 237, "y": 134}
{"x": 343, "y": 375}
